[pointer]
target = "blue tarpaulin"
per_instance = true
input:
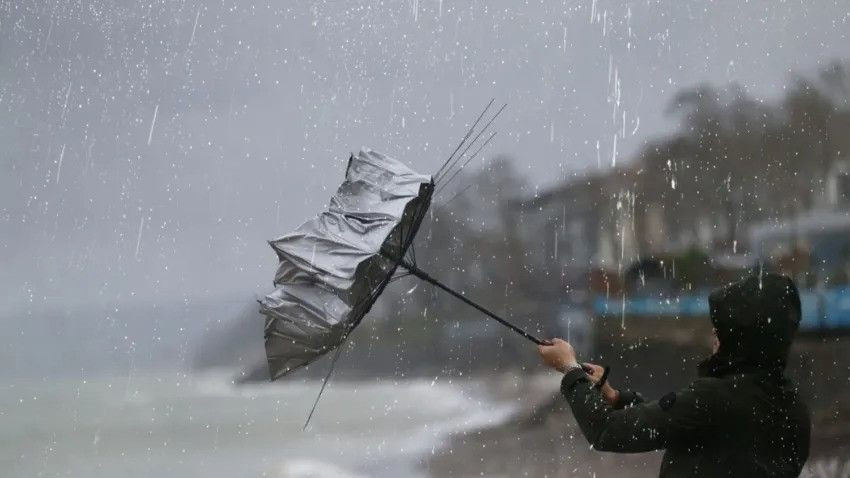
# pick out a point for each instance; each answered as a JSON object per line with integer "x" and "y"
{"x": 827, "y": 308}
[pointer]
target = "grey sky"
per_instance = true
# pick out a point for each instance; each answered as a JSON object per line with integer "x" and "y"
{"x": 150, "y": 148}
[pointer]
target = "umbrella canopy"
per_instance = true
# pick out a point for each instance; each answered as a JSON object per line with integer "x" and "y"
{"x": 334, "y": 266}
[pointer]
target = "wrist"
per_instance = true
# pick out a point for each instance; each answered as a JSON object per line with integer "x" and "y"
{"x": 612, "y": 396}
{"x": 569, "y": 366}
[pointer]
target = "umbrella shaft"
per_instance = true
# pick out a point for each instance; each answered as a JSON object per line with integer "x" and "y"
{"x": 427, "y": 278}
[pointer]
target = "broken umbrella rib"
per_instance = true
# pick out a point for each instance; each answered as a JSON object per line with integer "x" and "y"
{"x": 439, "y": 177}
{"x": 465, "y": 137}
{"x": 443, "y": 184}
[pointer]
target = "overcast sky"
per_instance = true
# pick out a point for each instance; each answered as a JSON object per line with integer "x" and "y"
{"x": 150, "y": 148}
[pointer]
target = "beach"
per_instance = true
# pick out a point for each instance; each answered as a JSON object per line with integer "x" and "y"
{"x": 205, "y": 425}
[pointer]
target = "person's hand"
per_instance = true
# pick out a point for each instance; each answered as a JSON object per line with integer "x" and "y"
{"x": 609, "y": 393}
{"x": 559, "y": 355}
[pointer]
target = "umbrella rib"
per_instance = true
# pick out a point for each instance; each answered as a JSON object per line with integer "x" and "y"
{"x": 474, "y": 140}
{"x": 448, "y": 181}
{"x": 472, "y": 143}
{"x": 408, "y": 256}
{"x": 466, "y": 136}
{"x": 399, "y": 276}
{"x": 461, "y": 193}
{"x": 337, "y": 353}
{"x": 324, "y": 383}
{"x": 401, "y": 235}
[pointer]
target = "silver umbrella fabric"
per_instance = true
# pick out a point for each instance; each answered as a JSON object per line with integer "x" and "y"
{"x": 334, "y": 266}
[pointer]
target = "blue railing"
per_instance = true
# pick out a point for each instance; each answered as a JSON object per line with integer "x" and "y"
{"x": 822, "y": 308}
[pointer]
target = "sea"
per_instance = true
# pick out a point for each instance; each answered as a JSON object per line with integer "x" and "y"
{"x": 205, "y": 425}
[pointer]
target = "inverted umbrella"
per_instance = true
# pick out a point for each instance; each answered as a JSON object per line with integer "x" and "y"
{"x": 334, "y": 266}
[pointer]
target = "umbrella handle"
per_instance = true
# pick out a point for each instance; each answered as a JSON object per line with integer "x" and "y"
{"x": 427, "y": 278}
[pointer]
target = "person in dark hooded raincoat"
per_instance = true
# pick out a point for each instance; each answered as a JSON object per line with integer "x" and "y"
{"x": 741, "y": 418}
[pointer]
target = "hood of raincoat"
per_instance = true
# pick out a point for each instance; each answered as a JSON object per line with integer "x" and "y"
{"x": 755, "y": 320}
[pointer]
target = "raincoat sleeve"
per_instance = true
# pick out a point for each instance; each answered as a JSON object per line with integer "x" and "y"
{"x": 628, "y": 398}
{"x": 639, "y": 426}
